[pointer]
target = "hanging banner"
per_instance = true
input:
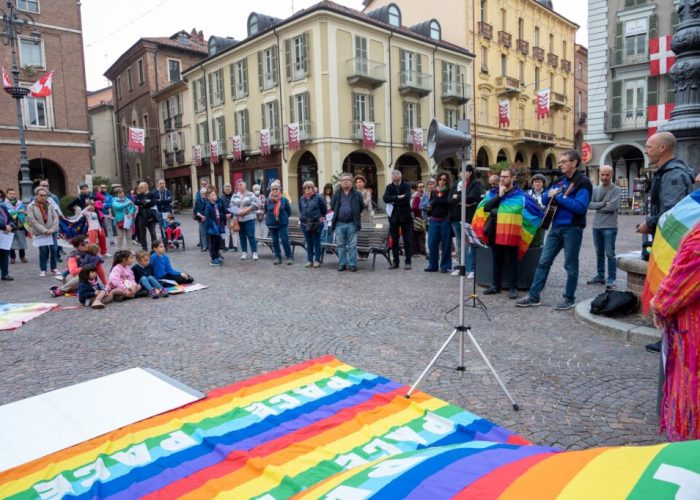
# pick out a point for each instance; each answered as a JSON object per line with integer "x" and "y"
{"x": 658, "y": 115}
{"x": 293, "y": 136}
{"x": 418, "y": 140}
{"x": 503, "y": 113}
{"x": 42, "y": 87}
{"x": 661, "y": 57}
{"x": 368, "y": 135}
{"x": 237, "y": 147}
{"x": 6, "y": 83}
{"x": 543, "y": 104}
{"x": 137, "y": 140}
{"x": 214, "y": 152}
{"x": 265, "y": 148}
{"x": 586, "y": 152}
{"x": 197, "y": 153}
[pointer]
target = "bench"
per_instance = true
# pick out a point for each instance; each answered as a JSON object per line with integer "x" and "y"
{"x": 370, "y": 240}
{"x": 296, "y": 237}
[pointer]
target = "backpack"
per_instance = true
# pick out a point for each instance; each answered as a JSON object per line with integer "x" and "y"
{"x": 614, "y": 304}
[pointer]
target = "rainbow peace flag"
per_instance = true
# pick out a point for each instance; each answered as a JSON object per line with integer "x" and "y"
{"x": 672, "y": 228}
{"x": 323, "y": 429}
{"x": 13, "y": 316}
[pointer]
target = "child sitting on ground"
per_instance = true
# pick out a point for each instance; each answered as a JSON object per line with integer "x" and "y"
{"x": 162, "y": 269}
{"x": 89, "y": 259}
{"x": 173, "y": 233}
{"x": 144, "y": 276}
{"x": 122, "y": 282}
{"x": 90, "y": 292}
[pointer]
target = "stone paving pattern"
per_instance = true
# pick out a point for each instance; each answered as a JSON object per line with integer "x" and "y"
{"x": 577, "y": 387}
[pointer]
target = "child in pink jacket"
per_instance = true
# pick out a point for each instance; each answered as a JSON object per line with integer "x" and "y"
{"x": 122, "y": 282}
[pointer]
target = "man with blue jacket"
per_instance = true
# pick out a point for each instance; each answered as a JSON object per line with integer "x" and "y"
{"x": 571, "y": 194}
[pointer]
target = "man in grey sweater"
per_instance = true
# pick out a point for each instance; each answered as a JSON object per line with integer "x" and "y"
{"x": 605, "y": 202}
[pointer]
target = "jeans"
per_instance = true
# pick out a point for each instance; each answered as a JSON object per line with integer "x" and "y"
{"x": 277, "y": 234}
{"x": 203, "y": 238}
{"x": 5, "y": 262}
{"x": 149, "y": 283}
{"x": 458, "y": 240}
{"x": 247, "y": 235}
{"x": 604, "y": 242}
{"x": 346, "y": 239}
{"x": 567, "y": 238}
{"x": 44, "y": 254}
{"x": 327, "y": 235}
{"x": 215, "y": 242}
{"x": 313, "y": 245}
{"x": 407, "y": 231}
{"x": 439, "y": 237}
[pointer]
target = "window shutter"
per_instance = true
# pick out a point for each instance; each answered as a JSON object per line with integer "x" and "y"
{"x": 307, "y": 106}
{"x": 275, "y": 65}
{"x": 262, "y": 114}
{"x": 653, "y": 26}
{"x": 616, "y": 104}
{"x": 223, "y": 128}
{"x": 232, "y": 75}
{"x": 211, "y": 90}
{"x": 402, "y": 60}
{"x": 370, "y": 99}
{"x": 291, "y": 109}
{"x": 276, "y": 114}
{"x": 670, "y": 95}
{"x": 405, "y": 115}
{"x": 260, "y": 69}
{"x": 444, "y": 73}
{"x": 305, "y": 53}
{"x": 198, "y": 135}
{"x": 419, "y": 121}
{"x": 419, "y": 65}
{"x": 354, "y": 107}
{"x": 236, "y": 124}
{"x": 246, "y": 122}
{"x": 245, "y": 76}
{"x": 652, "y": 91}
{"x": 619, "y": 42}
{"x": 288, "y": 58}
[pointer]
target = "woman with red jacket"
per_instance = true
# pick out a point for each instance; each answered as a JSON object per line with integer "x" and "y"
{"x": 72, "y": 281}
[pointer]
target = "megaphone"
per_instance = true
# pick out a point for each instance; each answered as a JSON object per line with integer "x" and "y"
{"x": 445, "y": 142}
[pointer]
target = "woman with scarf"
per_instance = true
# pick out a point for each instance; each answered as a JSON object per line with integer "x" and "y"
{"x": 277, "y": 221}
{"x": 6, "y": 226}
{"x": 18, "y": 214}
{"x": 43, "y": 221}
{"x": 439, "y": 230}
{"x": 243, "y": 207}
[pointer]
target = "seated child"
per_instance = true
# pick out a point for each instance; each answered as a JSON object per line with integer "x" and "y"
{"x": 90, "y": 292}
{"x": 88, "y": 259}
{"x": 122, "y": 282}
{"x": 162, "y": 269}
{"x": 173, "y": 233}
{"x": 144, "y": 276}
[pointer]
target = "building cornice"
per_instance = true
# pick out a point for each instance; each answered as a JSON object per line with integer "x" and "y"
{"x": 636, "y": 13}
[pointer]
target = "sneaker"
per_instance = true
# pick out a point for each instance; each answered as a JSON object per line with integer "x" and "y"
{"x": 278, "y": 261}
{"x": 154, "y": 294}
{"x": 317, "y": 265}
{"x": 527, "y": 301}
{"x": 215, "y": 263}
{"x": 513, "y": 294}
{"x": 289, "y": 262}
{"x": 596, "y": 281}
{"x": 611, "y": 285}
{"x": 55, "y": 272}
{"x": 470, "y": 275}
{"x": 23, "y": 260}
{"x": 42, "y": 274}
{"x": 565, "y": 305}
{"x": 177, "y": 244}
{"x": 308, "y": 264}
{"x": 235, "y": 249}
{"x": 255, "y": 256}
{"x": 407, "y": 267}
{"x": 55, "y": 291}
{"x": 654, "y": 347}
{"x": 341, "y": 269}
{"x": 455, "y": 272}
{"x": 7, "y": 277}
{"x": 12, "y": 261}
{"x": 58, "y": 277}
{"x": 492, "y": 290}
{"x": 244, "y": 256}
{"x": 353, "y": 269}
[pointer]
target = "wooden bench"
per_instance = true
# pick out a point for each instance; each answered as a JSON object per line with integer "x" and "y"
{"x": 296, "y": 237}
{"x": 370, "y": 240}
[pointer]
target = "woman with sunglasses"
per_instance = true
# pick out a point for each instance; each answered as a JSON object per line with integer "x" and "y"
{"x": 440, "y": 230}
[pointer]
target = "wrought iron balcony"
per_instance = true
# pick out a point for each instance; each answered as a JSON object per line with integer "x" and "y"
{"x": 621, "y": 57}
{"x": 526, "y": 136}
{"x": 412, "y": 82}
{"x": 275, "y": 136}
{"x": 566, "y": 65}
{"x": 180, "y": 156}
{"x": 168, "y": 124}
{"x": 485, "y": 30}
{"x": 505, "y": 38}
{"x": 523, "y": 46}
{"x": 305, "y": 130}
{"x": 628, "y": 119}
{"x": 456, "y": 92}
{"x": 177, "y": 121}
{"x": 365, "y": 71}
{"x": 169, "y": 159}
{"x": 538, "y": 53}
{"x": 552, "y": 59}
{"x": 508, "y": 85}
{"x": 356, "y": 131}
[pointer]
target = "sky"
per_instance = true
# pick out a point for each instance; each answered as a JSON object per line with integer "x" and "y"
{"x": 110, "y": 28}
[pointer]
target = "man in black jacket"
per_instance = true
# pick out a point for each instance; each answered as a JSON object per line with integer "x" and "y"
{"x": 347, "y": 206}
{"x": 472, "y": 199}
{"x": 147, "y": 215}
{"x": 398, "y": 194}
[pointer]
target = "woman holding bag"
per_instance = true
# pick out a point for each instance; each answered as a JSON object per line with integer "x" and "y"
{"x": 312, "y": 213}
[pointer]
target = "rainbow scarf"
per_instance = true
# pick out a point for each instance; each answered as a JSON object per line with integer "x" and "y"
{"x": 672, "y": 228}
{"x": 323, "y": 427}
{"x": 519, "y": 217}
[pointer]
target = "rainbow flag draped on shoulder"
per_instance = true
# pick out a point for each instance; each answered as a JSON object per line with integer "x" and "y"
{"x": 672, "y": 228}
{"x": 519, "y": 218}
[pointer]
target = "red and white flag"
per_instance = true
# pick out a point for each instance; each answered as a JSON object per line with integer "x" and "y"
{"x": 543, "y": 104}
{"x": 503, "y": 113}
{"x": 197, "y": 153}
{"x": 658, "y": 115}
{"x": 368, "y": 135}
{"x": 42, "y": 87}
{"x": 265, "y": 148}
{"x": 137, "y": 138}
{"x": 661, "y": 57}
{"x": 293, "y": 136}
{"x": 214, "y": 152}
{"x": 418, "y": 140}
{"x": 237, "y": 154}
{"x": 6, "y": 82}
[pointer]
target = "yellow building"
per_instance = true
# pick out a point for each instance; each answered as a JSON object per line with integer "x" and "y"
{"x": 328, "y": 69}
{"x": 521, "y": 47}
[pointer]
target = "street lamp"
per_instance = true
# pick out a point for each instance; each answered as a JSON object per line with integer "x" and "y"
{"x": 12, "y": 25}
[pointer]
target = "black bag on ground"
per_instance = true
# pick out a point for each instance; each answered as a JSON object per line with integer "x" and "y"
{"x": 614, "y": 304}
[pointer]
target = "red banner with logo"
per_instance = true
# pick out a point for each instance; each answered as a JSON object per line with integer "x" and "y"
{"x": 418, "y": 140}
{"x": 503, "y": 113}
{"x": 214, "y": 152}
{"x": 368, "y": 135}
{"x": 293, "y": 136}
{"x": 137, "y": 140}
{"x": 265, "y": 148}
{"x": 543, "y": 104}
{"x": 236, "y": 150}
{"x": 197, "y": 153}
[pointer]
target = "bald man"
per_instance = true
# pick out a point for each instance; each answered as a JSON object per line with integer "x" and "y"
{"x": 605, "y": 204}
{"x": 671, "y": 181}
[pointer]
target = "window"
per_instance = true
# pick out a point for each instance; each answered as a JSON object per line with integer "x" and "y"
{"x": 216, "y": 88}
{"x": 635, "y": 3}
{"x": 361, "y": 55}
{"x": 435, "y": 31}
{"x": 411, "y": 115}
{"x": 129, "y": 82}
{"x": 252, "y": 25}
{"x": 451, "y": 79}
{"x": 394, "y": 16}
{"x": 31, "y": 52}
{"x": 35, "y": 112}
{"x": 504, "y": 20}
{"x": 551, "y": 43}
{"x": 297, "y": 57}
{"x": 537, "y": 79}
{"x": 270, "y": 120}
{"x": 451, "y": 117}
{"x": 633, "y": 100}
{"x": 28, "y": 5}
{"x": 218, "y": 126}
{"x": 242, "y": 123}
{"x": 267, "y": 68}
{"x": 504, "y": 65}
{"x": 174, "y": 70}
{"x": 484, "y": 110}
{"x": 239, "y": 79}
{"x": 521, "y": 28}
{"x": 198, "y": 96}
{"x": 482, "y": 10}
{"x": 635, "y": 41}
{"x": 537, "y": 36}
{"x": 563, "y": 49}
{"x": 521, "y": 72}
{"x": 629, "y": 102}
{"x": 202, "y": 133}
{"x": 299, "y": 109}
{"x": 139, "y": 68}
{"x": 579, "y": 103}
{"x": 118, "y": 84}
{"x": 564, "y": 86}
{"x": 410, "y": 66}
{"x": 145, "y": 126}
{"x": 484, "y": 60}
{"x": 362, "y": 107}
{"x": 579, "y": 71}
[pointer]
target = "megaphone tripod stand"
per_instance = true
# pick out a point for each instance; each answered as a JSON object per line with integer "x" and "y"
{"x": 460, "y": 329}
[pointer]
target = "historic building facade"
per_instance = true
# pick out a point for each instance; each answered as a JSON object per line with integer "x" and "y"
{"x": 580, "y": 114}
{"x": 332, "y": 73}
{"x": 102, "y": 128}
{"x": 57, "y": 136}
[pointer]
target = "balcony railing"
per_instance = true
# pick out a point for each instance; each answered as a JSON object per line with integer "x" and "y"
{"x": 485, "y": 30}
{"x": 523, "y": 46}
{"x": 275, "y": 136}
{"x": 620, "y": 57}
{"x": 180, "y": 156}
{"x": 552, "y": 59}
{"x": 507, "y": 85}
{"x": 223, "y": 147}
{"x": 408, "y": 135}
{"x": 538, "y": 53}
{"x": 177, "y": 121}
{"x": 534, "y": 137}
{"x": 558, "y": 100}
{"x": 505, "y": 39}
{"x": 269, "y": 80}
{"x": 456, "y": 92}
{"x": 412, "y": 82}
{"x": 245, "y": 142}
{"x": 365, "y": 71}
{"x": 169, "y": 159}
{"x": 305, "y": 130}
{"x": 206, "y": 152}
{"x": 629, "y": 119}
{"x": 168, "y": 124}
{"x": 566, "y": 65}
{"x": 356, "y": 130}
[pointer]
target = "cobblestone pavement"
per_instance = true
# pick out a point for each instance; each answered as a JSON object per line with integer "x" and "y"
{"x": 577, "y": 387}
